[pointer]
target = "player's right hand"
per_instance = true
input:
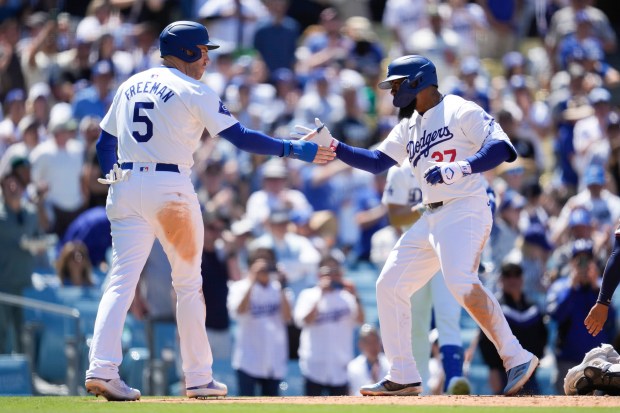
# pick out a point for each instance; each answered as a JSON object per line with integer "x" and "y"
{"x": 321, "y": 135}
{"x": 596, "y": 318}
{"x": 309, "y": 151}
{"x": 115, "y": 175}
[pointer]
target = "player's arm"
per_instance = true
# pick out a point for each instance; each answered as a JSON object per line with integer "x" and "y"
{"x": 597, "y": 316}
{"x": 404, "y": 215}
{"x": 257, "y": 142}
{"x": 106, "y": 151}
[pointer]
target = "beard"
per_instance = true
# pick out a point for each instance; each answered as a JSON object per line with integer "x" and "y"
{"x": 407, "y": 111}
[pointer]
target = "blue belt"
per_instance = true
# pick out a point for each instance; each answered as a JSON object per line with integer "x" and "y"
{"x": 161, "y": 167}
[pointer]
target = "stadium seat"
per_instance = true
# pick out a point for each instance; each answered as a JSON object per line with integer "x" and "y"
{"x": 133, "y": 367}
{"x": 15, "y": 376}
{"x": 293, "y": 385}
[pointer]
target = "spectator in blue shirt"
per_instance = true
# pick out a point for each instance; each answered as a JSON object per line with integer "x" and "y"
{"x": 95, "y": 99}
{"x": 568, "y": 302}
{"x": 276, "y": 37}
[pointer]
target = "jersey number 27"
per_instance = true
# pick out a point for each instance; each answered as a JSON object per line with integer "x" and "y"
{"x": 439, "y": 156}
{"x": 138, "y": 117}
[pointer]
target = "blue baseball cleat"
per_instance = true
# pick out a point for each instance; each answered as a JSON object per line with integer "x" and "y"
{"x": 388, "y": 388}
{"x": 519, "y": 375}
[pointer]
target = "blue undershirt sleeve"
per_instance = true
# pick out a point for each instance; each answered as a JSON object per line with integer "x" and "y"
{"x": 611, "y": 275}
{"x": 492, "y": 154}
{"x": 374, "y": 162}
{"x": 106, "y": 151}
{"x": 253, "y": 141}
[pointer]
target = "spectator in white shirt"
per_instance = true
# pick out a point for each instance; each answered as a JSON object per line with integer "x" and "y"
{"x": 262, "y": 310}
{"x": 371, "y": 365}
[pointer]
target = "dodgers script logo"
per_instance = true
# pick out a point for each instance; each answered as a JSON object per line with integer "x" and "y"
{"x": 426, "y": 142}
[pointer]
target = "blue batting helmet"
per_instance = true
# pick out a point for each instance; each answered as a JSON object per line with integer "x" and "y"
{"x": 419, "y": 73}
{"x": 182, "y": 38}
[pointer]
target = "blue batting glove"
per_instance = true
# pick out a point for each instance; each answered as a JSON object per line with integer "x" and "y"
{"x": 433, "y": 175}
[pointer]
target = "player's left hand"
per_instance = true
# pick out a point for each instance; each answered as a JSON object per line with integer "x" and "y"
{"x": 446, "y": 172}
{"x": 115, "y": 175}
{"x": 321, "y": 135}
{"x": 596, "y": 318}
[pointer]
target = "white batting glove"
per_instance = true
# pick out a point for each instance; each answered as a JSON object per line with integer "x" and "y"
{"x": 322, "y": 137}
{"x": 446, "y": 172}
{"x": 115, "y": 175}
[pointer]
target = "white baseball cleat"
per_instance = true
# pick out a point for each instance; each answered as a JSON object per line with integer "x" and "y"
{"x": 519, "y": 375}
{"x": 215, "y": 388}
{"x": 388, "y": 388}
{"x": 458, "y": 386}
{"x": 114, "y": 390}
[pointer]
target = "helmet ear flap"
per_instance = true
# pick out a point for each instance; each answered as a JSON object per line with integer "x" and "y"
{"x": 406, "y": 92}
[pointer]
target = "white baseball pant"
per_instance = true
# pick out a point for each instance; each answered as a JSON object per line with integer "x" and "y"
{"x": 164, "y": 205}
{"x": 449, "y": 238}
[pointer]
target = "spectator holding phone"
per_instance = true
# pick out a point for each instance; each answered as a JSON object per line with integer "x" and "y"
{"x": 327, "y": 313}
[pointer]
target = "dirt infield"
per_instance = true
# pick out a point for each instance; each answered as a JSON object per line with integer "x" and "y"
{"x": 525, "y": 401}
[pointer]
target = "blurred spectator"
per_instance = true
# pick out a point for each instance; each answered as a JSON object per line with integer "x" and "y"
{"x": 218, "y": 267}
{"x": 505, "y": 231}
{"x": 436, "y": 42}
{"x": 56, "y": 164}
{"x": 526, "y": 149}
{"x": 11, "y": 76}
{"x": 214, "y": 193}
{"x": 95, "y": 100}
{"x": 568, "y": 302}
{"x": 232, "y": 22}
{"x": 467, "y": 19}
{"x": 402, "y": 18}
{"x": 75, "y": 64}
{"x": 526, "y": 322}
{"x": 320, "y": 187}
{"x": 370, "y": 216}
{"x": 95, "y": 193}
{"x": 365, "y": 52}
{"x": 563, "y": 22}
{"x": 324, "y": 44}
{"x": 275, "y": 195}
{"x": 28, "y": 130}
{"x": 18, "y": 247}
{"x": 145, "y": 53}
{"x": 14, "y": 111}
{"x": 39, "y": 48}
{"x": 278, "y": 29}
{"x": 73, "y": 266}
{"x": 471, "y": 85}
{"x": 319, "y": 100}
{"x": 371, "y": 365}
{"x": 38, "y": 104}
{"x": 613, "y": 133}
{"x": 604, "y": 206}
{"x": 327, "y": 312}
{"x": 91, "y": 228}
{"x": 294, "y": 253}
{"x": 353, "y": 128}
{"x": 502, "y": 36}
{"x": 262, "y": 310}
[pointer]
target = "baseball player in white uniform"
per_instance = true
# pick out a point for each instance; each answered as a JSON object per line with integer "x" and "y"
{"x": 148, "y": 137}
{"x": 403, "y": 198}
{"x": 448, "y": 142}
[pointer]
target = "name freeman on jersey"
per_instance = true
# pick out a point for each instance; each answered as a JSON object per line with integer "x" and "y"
{"x": 426, "y": 142}
{"x": 155, "y": 88}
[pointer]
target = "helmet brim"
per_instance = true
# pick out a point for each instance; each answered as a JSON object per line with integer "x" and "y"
{"x": 387, "y": 83}
{"x": 211, "y": 46}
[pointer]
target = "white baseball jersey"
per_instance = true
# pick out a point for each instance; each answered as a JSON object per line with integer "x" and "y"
{"x": 401, "y": 187}
{"x": 261, "y": 343}
{"x": 172, "y": 136}
{"x": 450, "y": 131}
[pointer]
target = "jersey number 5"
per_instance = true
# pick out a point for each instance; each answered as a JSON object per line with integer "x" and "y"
{"x": 438, "y": 156}
{"x": 140, "y": 118}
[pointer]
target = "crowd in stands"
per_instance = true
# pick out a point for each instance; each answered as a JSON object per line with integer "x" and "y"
{"x": 282, "y": 235}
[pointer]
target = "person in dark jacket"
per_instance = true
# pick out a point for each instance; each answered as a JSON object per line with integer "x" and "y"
{"x": 568, "y": 302}
{"x": 526, "y": 322}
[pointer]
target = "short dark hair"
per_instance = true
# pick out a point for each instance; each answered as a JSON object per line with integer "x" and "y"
{"x": 511, "y": 268}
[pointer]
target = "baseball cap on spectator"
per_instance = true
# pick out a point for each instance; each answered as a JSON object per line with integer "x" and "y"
{"x": 536, "y": 234}
{"x": 582, "y": 246}
{"x": 511, "y": 269}
{"x": 513, "y": 59}
{"x": 470, "y": 65}
{"x": 27, "y": 122}
{"x": 14, "y": 95}
{"x": 36, "y": 19}
{"x": 102, "y": 67}
{"x": 579, "y": 216}
{"x": 241, "y": 227}
{"x": 61, "y": 118}
{"x": 511, "y": 199}
{"x": 38, "y": 90}
{"x": 275, "y": 168}
{"x": 594, "y": 175}
{"x": 599, "y": 95}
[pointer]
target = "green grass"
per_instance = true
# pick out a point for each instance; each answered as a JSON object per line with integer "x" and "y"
{"x": 90, "y": 405}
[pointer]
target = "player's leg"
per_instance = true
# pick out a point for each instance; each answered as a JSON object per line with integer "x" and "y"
{"x": 132, "y": 239}
{"x": 460, "y": 230}
{"x": 409, "y": 266}
{"x": 421, "y": 311}
{"x": 447, "y": 313}
{"x": 178, "y": 225}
